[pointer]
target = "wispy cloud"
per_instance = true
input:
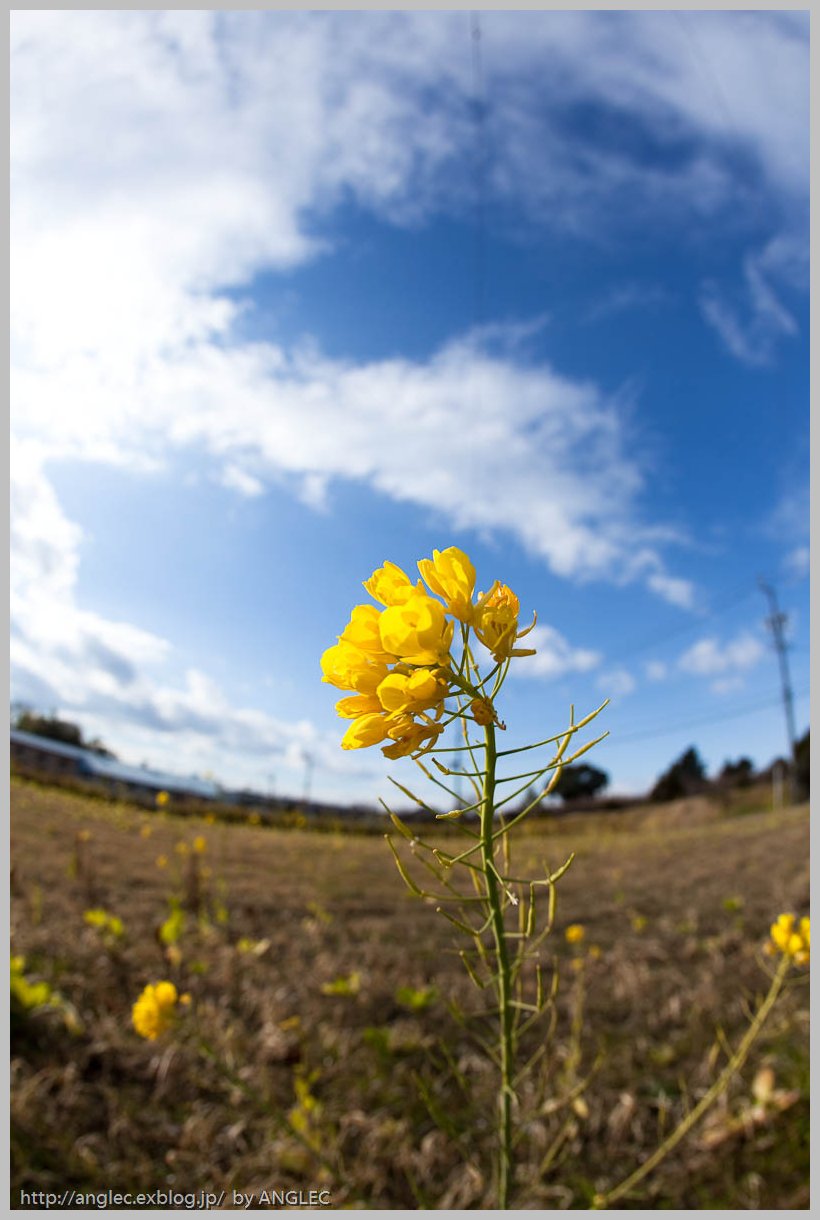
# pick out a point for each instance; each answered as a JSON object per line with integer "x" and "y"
{"x": 625, "y": 297}
{"x": 723, "y": 661}
{"x": 554, "y": 655}
{"x": 617, "y": 682}
{"x": 797, "y": 562}
{"x": 751, "y": 325}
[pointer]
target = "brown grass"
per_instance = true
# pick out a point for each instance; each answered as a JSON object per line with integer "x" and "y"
{"x": 679, "y": 908}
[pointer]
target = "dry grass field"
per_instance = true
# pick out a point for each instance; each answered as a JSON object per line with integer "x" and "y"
{"x": 275, "y": 1079}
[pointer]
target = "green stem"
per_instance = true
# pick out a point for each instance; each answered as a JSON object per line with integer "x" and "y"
{"x": 734, "y": 1065}
{"x": 503, "y": 977}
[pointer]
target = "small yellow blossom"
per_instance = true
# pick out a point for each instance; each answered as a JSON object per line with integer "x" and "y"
{"x": 161, "y": 861}
{"x": 349, "y": 668}
{"x": 451, "y": 575}
{"x": 414, "y": 691}
{"x": 496, "y": 623}
{"x": 25, "y": 994}
{"x": 391, "y": 586}
{"x": 362, "y": 632}
{"x": 110, "y": 925}
{"x": 156, "y": 1009}
{"x": 162, "y": 799}
{"x": 367, "y": 730}
{"x": 411, "y": 736}
{"x": 353, "y": 706}
{"x": 200, "y": 845}
{"x": 792, "y": 938}
{"x": 146, "y": 832}
{"x": 575, "y": 933}
{"x": 417, "y": 631}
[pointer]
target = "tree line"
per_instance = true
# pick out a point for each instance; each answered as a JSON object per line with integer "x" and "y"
{"x": 686, "y": 776}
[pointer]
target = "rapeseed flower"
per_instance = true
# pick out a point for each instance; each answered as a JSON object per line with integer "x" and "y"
{"x": 391, "y": 586}
{"x": 363, "y": 633}
{"x": 156, "y": 1009}
{"x": 25, "y": 994}
{"x": 396, "y": 662}
{"x": 349, "y": 668}
{"x": 792, "y": 938}
{"x": 496, "y": 623}
{"x": 417, "y": 631}
{"x": 411, "y": 736}
{"x": 108, "y": 925}
{"x": 413, "y": 690}
{"x": 367, "y": 730}
{"x": 451, "y": 575}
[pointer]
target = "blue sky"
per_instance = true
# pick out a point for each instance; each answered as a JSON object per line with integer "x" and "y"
{"x": 295, "y": 293}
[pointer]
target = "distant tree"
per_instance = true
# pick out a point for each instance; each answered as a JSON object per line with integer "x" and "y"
{"x": 98, "y": 747}
{"x": 580, "y": 781}
{"x": 51, "y": 727}
{"x": 801, "y": 764}
{"x": 686, "y": 775}
{"x": 56, "y": 729}
{"x": 737, "y": 774}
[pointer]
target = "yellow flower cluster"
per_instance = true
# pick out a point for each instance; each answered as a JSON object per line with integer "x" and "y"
{"x": 110, "y": 925}
{"x": 397, "y": 661}
{"x": 156, "y": 1009}
{"x": 24, "y": 993}
{"x": 792, "y": 938}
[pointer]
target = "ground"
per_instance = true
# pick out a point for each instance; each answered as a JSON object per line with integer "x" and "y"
{"x": 319, "y": 1049}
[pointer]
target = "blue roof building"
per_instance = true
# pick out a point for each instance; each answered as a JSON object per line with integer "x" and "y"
{"x": 57, "y": 757}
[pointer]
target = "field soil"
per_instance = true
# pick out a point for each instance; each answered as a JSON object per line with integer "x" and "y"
{"x": 320, "y": 1050}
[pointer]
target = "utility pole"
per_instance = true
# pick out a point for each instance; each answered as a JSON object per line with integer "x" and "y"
{"x": 776, "y": 622}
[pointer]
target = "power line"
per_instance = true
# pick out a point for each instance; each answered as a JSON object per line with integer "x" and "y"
{"x": 737, "y": 714}
{"x": 737, "y": 595}
{"x": 479, "y": 117}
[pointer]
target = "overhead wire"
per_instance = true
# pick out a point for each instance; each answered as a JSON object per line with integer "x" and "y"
{"x": 683, "y": 726}
{"x": 737, "y": 595}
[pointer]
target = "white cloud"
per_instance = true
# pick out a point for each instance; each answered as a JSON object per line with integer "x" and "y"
{"x": 789, "y": 520}
{"x": 752, "y": 338}
{"x": 530, "y": 438}
{"x": 624, "y": 297}
{"x": 723, "y": 660}
{"x": 656, "y": 671}
{"x": 554, "y": 656}
{"x": 617, "y": 682}
{"x": 236, "y": 479}
{"x": 673, "y": 589}
{"x": 798, "y": 561}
